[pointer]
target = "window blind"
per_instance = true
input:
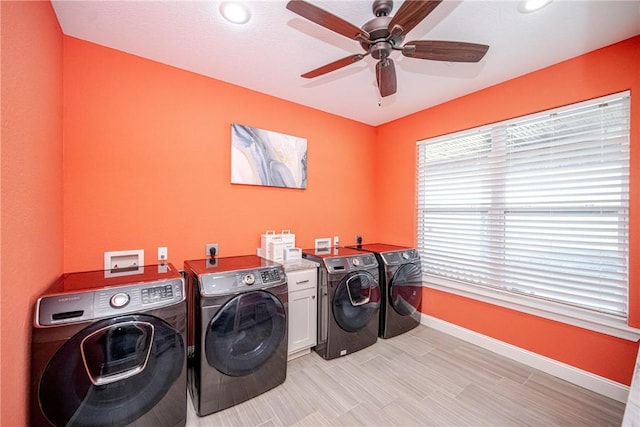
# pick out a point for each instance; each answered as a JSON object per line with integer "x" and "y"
{"x": 536, "y": 206}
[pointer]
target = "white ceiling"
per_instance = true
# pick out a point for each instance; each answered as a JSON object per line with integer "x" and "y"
{"x": 270, "y": 52}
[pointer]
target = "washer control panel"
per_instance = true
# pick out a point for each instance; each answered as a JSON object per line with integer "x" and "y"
{"x": 119, "y": 300}
{"x": 272, "y": 275}
{"x": 350, "y": 263}
{"x": 249, "y": 279}
{"x": 400, "y": 257}
{"x": 76, "y": 307}
{"x": 241, "y": 281}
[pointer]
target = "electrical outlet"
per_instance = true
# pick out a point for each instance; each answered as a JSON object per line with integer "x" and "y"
{"x": 163, "y": 253}
{"x": 336, "y": 241}
{"x": 213, "y": 246}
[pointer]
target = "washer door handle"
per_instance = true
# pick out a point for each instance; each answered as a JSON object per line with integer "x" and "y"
{"x": 362, "y": 300}
{"x": 112, "y": 334}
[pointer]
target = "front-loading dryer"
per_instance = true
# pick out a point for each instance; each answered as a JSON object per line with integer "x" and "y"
{"x": 349, "y": 300}
{"x": 240, "y": 308}
{"x": 401, "y": 285}
{"x": 109, "y": 349}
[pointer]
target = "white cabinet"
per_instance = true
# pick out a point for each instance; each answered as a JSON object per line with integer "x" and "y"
{"x": 303, "y": 308}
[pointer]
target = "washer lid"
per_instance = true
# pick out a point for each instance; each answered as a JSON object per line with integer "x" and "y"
{"x": 97, "y": 279}
{"x": 220, "y": 265}
{"x": 380, "y": 247}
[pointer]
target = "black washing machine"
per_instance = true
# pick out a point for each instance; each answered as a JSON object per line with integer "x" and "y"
{"x": 109, "y": 349}
{"x": 348, "y": 302}
{"x": 239, "y": 308}
{"x": 401, "y": 284}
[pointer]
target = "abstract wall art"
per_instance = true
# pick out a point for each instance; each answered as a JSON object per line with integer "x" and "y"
{"x": 262, "y": 157}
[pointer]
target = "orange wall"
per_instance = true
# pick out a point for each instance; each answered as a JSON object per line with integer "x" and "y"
{"x": 147, "y": 163}
{"x": 612, "y": 69}
{"x": 31, "y": 194}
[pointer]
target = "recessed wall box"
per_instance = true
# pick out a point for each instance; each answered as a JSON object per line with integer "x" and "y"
{"x": 122, "y": 263}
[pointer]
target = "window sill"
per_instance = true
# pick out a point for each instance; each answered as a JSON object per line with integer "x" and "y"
{"x": 597, "y": 322}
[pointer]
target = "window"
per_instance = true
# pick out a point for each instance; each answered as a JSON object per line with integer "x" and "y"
{"x": 533, "y": 212}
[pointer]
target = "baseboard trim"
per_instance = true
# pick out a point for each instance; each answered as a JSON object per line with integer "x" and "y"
{"x": 588, "y": 380}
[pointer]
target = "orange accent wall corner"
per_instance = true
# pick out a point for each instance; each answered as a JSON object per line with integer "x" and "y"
{"x": 31, "y": 191}
{"x": 604, "y": 71}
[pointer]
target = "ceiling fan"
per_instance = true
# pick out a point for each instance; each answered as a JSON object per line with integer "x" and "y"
{"x": 384, "y": 34}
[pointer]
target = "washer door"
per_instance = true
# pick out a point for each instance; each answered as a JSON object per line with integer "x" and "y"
{"x": 405, "y": 290}
{"x": 112, "y": 372}
{"x": 245, "y": 333}
{"x": 356, "y": 300}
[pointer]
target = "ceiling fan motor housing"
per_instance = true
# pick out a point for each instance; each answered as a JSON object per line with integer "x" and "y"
{"x": 378, "y": 30}
{"x": 382, "y": 7}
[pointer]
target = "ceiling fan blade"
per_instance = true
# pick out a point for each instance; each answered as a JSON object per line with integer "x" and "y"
{"x": 386, "y": 77}
{"x": 327, "y": 20}
{"x": 445, "y": 50}
{"x": 410, "y": 14}
{"x": 333, "y": 66}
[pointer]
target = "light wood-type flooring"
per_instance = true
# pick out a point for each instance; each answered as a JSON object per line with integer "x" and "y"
{"x": 421, "y": 378}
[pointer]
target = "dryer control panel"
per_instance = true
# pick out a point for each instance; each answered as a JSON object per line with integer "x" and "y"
{"x": 241, "y": 281}
{"x": 82, "y": 306}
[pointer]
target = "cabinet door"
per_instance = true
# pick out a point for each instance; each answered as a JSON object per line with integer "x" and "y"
{"x": 302, "y": 319}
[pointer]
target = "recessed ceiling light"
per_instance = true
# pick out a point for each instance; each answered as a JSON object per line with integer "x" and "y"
{"x": 528, "y": 6}
{"x": 235, "y": 12}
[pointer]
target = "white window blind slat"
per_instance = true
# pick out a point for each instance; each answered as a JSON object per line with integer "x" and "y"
{"x": 536, "y": 206}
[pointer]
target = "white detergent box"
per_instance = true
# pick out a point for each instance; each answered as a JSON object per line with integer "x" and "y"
{"x": 292, "y": 254}
{"x": 272, "y": 245}
{"x": 288, "y": 239}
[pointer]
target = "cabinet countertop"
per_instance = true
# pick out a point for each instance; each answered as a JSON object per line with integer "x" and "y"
{"x": 299, "y": 264}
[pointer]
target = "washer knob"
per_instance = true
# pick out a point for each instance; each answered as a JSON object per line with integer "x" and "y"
{"x": 249, "y": 279}
{"x": 405, "y": 255}
{"x": 355, "y": 262}
{"x": 119, "y": 300}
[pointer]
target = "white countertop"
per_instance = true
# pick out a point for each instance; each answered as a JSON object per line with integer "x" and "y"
{"x": 299, "y": 264}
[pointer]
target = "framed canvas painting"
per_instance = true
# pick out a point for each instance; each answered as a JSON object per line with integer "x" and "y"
{"x": 262, "y": 157}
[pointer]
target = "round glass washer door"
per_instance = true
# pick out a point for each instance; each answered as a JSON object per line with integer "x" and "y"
{"x": 405, "y": 290}
{"x": 112, "y": 372}
{"x": 356, "y": 300}
{"x": 245, "y": 333}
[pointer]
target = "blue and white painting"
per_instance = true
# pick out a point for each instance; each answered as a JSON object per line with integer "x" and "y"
{"x": 262, "y": 157}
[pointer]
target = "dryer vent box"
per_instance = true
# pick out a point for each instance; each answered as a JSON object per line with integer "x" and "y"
{"x": 123, "y": 262}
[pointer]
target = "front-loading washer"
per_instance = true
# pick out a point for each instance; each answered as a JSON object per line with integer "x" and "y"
{"x": 401, "y": 285}
{"x": 239, "y": 307}
{"x": 348, "y": 302}
{"x": 109, "y": 349}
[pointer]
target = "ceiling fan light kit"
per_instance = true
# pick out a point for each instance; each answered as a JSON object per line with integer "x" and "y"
{"x": 383, "y": 34}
